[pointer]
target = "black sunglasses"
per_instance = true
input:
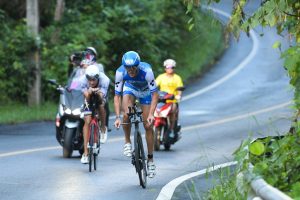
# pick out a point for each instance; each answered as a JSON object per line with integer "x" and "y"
{"x": 92, "y": 78}
{"x": 170, "y": 67}
{"x": 130, "y": 67}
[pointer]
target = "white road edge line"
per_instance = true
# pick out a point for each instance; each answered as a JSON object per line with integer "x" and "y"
{"x": 167, "y": 191}
{"x": 233, "y": 72}
{"x": 225, "y": 120}
{"x": 239, "y": 117}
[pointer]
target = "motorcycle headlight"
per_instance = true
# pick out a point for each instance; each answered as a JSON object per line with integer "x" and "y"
{"x": 68, "y": 111}
{"x": 77, "y": 111}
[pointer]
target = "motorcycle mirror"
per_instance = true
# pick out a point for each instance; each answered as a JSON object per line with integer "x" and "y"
{"x": 53, "y": 82}
{"x": 180, "y": 88}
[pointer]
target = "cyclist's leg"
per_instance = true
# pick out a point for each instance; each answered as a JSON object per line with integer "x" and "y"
{"x": 102, "y": 113}
{"x": 145, "y": 104}
{"x": 128, "y": 100}
{"x": 87, "y": 121}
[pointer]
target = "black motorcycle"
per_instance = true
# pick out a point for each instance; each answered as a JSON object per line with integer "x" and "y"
{"x": 69, "y": 120}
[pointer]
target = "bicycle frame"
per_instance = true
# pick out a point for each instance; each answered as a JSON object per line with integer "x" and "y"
{"x": 138, "y": 157}
{"x": 93, "y": 134}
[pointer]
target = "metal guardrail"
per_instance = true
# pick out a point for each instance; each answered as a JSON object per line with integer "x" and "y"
{"x": 260, "y": 189}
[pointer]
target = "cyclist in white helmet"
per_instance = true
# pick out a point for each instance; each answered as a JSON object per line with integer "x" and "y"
{"x": 90, "y": 58}
{"x": 98, "y": 82}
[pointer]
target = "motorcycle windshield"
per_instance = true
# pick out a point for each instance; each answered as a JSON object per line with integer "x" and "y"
{"x": 74, "y": 99}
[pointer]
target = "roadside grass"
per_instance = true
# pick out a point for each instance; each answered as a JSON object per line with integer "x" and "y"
{"x": 225, "y": 186}
{"x": 199, "y": 50}
{"x": 17, "y": 113}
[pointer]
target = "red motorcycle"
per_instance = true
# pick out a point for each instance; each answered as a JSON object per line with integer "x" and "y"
{"x": 162, "y": 131}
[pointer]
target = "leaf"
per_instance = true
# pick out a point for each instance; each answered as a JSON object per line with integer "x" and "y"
{"x": 190, "y": 6}
{"x": 276, "y": 45}
{"x": 257, "y": 148}
{"x": 191, "y": 26}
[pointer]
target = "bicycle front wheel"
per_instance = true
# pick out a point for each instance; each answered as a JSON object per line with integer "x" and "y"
{"x": 95, "y": 153}
{"x": 140, "y": 160}
{"x": 91, "y": 142}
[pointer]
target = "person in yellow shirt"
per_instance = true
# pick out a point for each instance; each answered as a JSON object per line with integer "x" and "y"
{"x": 170, "y": 82}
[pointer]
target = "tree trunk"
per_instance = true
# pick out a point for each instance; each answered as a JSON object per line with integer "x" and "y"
{"x": 59, "y": 10}
{"x": 32, "y": 16}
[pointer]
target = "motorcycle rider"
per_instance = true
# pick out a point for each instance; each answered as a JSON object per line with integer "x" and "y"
{"x": 169, "y": 82}
{"x": 78, "y": 74}
{"x": 91, "y": 54}
{"x": 74, "y": 63}
{"x": 135, "y": 79}
{"x": 98, "y": 83}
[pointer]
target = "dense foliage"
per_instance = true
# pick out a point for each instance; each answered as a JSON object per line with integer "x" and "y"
{"x": 278, "y": 161}
{"x": 153, "y": 28}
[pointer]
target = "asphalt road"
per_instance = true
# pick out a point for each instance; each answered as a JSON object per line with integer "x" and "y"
{"x": 32, "y": 166}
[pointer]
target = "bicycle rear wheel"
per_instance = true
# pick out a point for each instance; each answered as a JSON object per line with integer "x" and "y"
{"x": 140, "y": 160}
{"x": 91, "y": 142}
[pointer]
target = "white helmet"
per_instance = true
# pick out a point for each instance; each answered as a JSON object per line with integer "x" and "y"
{"x": 169, "y": 63}
{"x": 92, "y": 72}
{"x": 92, "y": 49}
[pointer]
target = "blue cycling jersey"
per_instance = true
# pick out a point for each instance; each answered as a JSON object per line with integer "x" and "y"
{"x": 143, "y": 81}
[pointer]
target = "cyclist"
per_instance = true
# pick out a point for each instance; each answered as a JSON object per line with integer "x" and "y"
{"x": 97, "y": 82}
{"x": 90, "y": 54}
{"x": 135, "y": 79}
{"x": 169, "y": 82}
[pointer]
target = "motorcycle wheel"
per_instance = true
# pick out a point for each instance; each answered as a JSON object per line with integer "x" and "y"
{"x": 167, "y": 146}
{"x": 157, "y": 132}
{"x": 58, "y": 136}
{"x": 68, "y": 142}
{"x": 167, "y": 141}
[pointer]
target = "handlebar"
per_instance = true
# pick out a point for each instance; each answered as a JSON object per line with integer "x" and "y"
{"x": 128, "y": 123}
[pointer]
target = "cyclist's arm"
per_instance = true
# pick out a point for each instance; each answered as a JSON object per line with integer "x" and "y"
{"x": 154, "y": 101}
{"x": 153, "y": 90}
{"x": 104, "y": 83}
{"x": 117, "y": 105}
{"x": 118, "y": 92}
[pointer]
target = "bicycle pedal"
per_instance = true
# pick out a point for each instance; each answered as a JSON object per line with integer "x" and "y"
{"x": 133, "y": 160}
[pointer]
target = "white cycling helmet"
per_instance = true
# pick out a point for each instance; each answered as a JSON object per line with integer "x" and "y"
{"x": 169, "y": 63}
{"x": 92, "y": 72}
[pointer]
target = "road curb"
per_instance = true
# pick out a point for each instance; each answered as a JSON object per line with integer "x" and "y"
{"x": 167, "y": 191}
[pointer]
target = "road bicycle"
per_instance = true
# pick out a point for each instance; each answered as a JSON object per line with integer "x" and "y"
{"x": 138, "y": 155}
{"x": 93, "y": 134}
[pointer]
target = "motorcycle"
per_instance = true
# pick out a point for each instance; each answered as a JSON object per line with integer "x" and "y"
{"x": 162, "y": 131}
{"x": 69, "y": 120}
